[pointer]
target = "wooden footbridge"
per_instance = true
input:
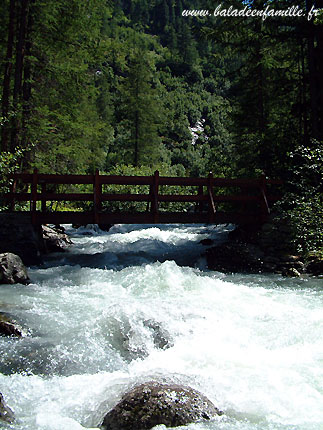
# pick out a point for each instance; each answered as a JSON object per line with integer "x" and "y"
{"x": 105, "y": 199}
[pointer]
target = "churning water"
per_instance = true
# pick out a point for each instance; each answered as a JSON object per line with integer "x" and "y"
{"x": 137, "y": 304}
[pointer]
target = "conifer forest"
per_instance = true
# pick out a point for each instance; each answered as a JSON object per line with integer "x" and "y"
{"x": 185, "y": 87}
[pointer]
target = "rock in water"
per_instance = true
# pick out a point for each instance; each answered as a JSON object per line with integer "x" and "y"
{"x": 9, "y": 327}
{"x": 12, "y": 269}
{"x": 55, "y": 239}
{"x": 152, "y": 403}
{"x": 161, "y": 337}
{"x": 6, "y": 413}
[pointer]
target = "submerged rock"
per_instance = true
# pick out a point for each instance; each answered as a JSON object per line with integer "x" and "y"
{"x": 133, "y": 339}
{"x": 12, "y": 269}
{"x": 152, "y": 403}
{"x": 6, "y": 413}
{"x": 161, "y": 337}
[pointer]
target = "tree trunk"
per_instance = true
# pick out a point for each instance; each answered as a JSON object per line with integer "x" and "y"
{"x": 7, "y": 76}
{"x": 304, "y": 104}
{"x": 26, "y": 88}
{"x": 315, "y": 65}
{"x": 319, "y": 30}
{"x": 20, "y": 53}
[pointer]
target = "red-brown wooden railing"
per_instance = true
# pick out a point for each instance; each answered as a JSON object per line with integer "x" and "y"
{"x": 37, "y": 191}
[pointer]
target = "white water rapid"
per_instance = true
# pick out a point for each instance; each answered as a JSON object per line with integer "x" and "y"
{"x": 137, "y": 304}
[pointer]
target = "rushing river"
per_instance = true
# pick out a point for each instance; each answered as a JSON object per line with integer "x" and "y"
{"x": 137, "y": 304}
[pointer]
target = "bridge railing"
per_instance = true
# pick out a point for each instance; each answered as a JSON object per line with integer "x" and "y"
{"x": 37, "y": 189}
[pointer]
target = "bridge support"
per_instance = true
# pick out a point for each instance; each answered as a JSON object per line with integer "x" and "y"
{"x": 21, "y": 237}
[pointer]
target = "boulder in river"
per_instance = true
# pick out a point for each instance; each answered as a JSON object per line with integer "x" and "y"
{"x": 12, "y": 269}
{"x": 9, "y": 327}
{"x": 55, "y": 239}
{"x": 6, "y": 413}
{"x": 152, "y": 403}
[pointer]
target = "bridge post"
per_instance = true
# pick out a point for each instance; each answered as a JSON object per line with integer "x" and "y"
{"x": 212, "y": 208}
{"x": 33, "y": 201}
{"x": 264, "y": 207}
{"x": 13, "y": 191}
{"x": 154, "y": 201}
{"x": 199, "y": 206}
{"x": 43, "y": 199}
{"x": 97, "y": 197}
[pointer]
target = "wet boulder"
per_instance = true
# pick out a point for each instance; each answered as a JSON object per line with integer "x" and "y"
{"x": 55, "y": 240}
{"x": 12, "y": 269}
{"x": 152, "y": 403}
{"x": 6, "y": 413}
{"x": 10, "y": 327}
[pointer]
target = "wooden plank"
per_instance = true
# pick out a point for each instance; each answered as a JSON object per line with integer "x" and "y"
{"x": 69, "y": 197}
{"x": 19, "y": 197}
{"x": 66, "y": 179}
{"x": 205, "y": 198}
{"x": 125, "y": 197}
{"x": 125, "y": 180}
{"x": 173, "y": 181}
{"x": 141, "y": 180}
{"x": 23, "y": 177}
{"x": 188, "y": 198}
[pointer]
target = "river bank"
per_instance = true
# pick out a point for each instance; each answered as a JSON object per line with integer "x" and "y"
{"x": 265, "y": 249}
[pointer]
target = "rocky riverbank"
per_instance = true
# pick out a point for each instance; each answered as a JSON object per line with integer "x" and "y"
{"x": 23, "y": 244}
{"x": 18, "y": 236}
{"x": 267, "y": 249}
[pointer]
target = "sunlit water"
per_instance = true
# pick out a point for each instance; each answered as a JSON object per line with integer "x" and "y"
{"x": 137, "y": 304}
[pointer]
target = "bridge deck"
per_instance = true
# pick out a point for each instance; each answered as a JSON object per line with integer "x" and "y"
{"x": 83, "y": 218}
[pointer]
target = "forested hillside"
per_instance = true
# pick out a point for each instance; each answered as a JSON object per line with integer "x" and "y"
{"x": 103, "y": 85}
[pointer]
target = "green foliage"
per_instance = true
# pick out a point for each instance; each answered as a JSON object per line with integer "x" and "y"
{"x": 302, "y": 205}
{"x": 130, "y": 170}
{"x": 9, "y": 164}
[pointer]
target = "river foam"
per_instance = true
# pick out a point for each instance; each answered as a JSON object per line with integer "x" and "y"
{"x": 136, "y": 304}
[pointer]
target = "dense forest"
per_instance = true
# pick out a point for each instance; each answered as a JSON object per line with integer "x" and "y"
{"x": 130, "y": 86}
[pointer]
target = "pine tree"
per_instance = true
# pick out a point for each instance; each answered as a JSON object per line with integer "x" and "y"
{"x": 142, "y": 110}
